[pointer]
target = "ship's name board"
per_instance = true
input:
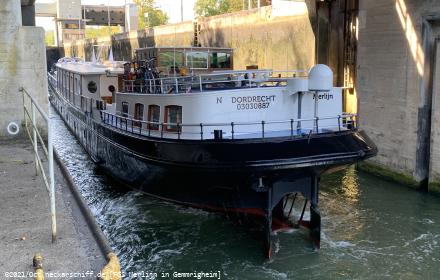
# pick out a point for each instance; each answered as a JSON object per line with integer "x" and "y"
{"x": 325, "y": 96}
{"x": 251, "y": 102}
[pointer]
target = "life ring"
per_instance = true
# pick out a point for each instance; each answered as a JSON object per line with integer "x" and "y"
{"x": 13, "y": 128}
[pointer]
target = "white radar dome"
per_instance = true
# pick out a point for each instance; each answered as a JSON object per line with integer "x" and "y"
{"x": 320, "y": 78}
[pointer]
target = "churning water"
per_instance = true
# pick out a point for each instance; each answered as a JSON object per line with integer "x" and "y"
{"x": 371, "y": 229}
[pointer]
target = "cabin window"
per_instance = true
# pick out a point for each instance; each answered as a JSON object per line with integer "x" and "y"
{"x": 61, "y": 81}
{"x": 125, "y": 109}
{"x": 64, "y": 82}
{"x": 220, "y": 60}
{"x": 92, "y": 87}
{"x": 170, "y": 59}
{"x": 74, "y": 88}
{"x": 138, "y": 113}
{"x": 173, "y": 116}
{"x": 78, "y": 85}
{"x": 71, "y": 83}
{"x": 153, "y": 116}
{"x": 197, "y": 60}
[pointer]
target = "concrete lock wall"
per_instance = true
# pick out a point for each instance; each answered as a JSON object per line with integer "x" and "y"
{"x": 395, "y": 64}
{"x": 267, "y": 37}
{"x": 22, "y": 64}
{"x": 262, "y": 38}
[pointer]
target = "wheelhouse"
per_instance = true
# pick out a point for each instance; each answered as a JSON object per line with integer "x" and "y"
{"x": 178, "y": 60}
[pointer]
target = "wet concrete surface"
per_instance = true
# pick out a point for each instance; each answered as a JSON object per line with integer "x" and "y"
{"x": 25, "y": 223}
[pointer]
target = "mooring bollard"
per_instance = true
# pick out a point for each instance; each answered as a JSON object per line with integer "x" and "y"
{"x": 38, "y": 265}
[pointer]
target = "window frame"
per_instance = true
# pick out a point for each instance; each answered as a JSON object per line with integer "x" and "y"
{"x": 189, "y": 63}
{"x": 125, "y": 104}
{"x": 173, "y": 128}
{"x": 151, "y": 117}
{"x": 228, "y": 55}
{"x": 136, "y": 116}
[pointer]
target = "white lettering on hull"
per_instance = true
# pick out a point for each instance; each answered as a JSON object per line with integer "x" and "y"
{"x": 253, "y": 102}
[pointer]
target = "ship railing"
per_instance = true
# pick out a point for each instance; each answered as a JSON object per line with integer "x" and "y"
{"x": 34, "y": 115}
{"x": 231, "y": 130}
{"x": 203, "y": 82}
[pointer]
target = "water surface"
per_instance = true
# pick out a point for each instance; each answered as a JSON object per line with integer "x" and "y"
{"x": 371, "y": 229}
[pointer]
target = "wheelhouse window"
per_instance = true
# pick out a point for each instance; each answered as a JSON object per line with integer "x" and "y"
{"x": 197, "y": 60}
{"x": 170, "y": 59}
{"x": 125, "y": 109}
{"x": 173, "y": 116}
{"x": 220, "y": 60}
{"x": 154, "y": 117}
{"x": 138, "y": 113}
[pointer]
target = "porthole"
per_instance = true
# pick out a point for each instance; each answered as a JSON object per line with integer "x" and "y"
{"x": 92, "y": 87}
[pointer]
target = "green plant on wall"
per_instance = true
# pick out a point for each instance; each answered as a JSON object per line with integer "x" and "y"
{"x": 102, "y": 31}
{"x": 149, "y": 15}
{"x": 208, "y": 8}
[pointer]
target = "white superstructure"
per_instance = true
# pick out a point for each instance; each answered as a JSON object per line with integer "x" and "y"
{"x": 240, "y": 104}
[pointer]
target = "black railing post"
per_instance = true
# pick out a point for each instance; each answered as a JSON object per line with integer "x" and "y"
{"x": 126, "y": 124}
{"x": 339, "y": 122}
{"x": 132, "y": 128}
{"x": 201, "y": 131}
{"x": 291, "y": 127}
{"x": 317, "y": 128}
{"x": 262, "y": 129}
{"x": 140, "y": 128}
{"x": 178, "y": 131}
{"x": 149, "y": 129}
{"x": 161, "y": 130}
{"x": 232, "y": 130}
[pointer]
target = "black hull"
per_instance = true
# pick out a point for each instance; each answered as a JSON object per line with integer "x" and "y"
{"x": 250, "y": 176}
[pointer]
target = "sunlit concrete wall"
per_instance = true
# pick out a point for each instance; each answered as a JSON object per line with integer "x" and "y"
{"x": 124, "y": 44}
{"x": 390, "y": 82}
{"x": 22, "y": 64}
{"x": 267, "y": 37}
{"x": 262, "y": 37}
